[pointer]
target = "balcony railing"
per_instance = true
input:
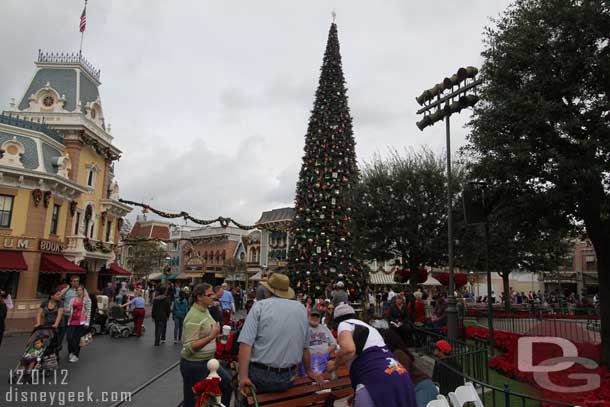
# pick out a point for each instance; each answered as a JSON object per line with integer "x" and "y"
{"x": 38, "y": 125}
{"x": 83, "y": 244}
{"x": 67, "y": 58}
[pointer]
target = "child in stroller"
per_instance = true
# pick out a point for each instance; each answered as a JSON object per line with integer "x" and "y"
{"x": 40, "y": 352}
{"x": 32, "y": 355}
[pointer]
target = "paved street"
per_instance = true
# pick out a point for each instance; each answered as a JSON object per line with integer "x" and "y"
{"x": 107, "y": 365}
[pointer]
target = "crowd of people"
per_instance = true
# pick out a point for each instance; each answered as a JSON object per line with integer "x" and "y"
{"x": 284, "y": 334}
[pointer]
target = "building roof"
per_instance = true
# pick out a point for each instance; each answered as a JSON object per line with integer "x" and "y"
{"x": 150, "y": 229}
{"x": 57, "y": 70}
{"x": 276, "y": 215}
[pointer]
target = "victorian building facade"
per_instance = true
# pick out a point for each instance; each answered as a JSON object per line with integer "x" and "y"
{"x": 59, "y": 208}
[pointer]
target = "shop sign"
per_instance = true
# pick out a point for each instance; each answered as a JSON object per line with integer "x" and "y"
{"x": 17, "y": 243}
{"x": 50, "y": 246}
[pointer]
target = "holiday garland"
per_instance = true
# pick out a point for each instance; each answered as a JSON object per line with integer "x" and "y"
{"x": 97, "y": 246}
{"x": 224, "y": 222}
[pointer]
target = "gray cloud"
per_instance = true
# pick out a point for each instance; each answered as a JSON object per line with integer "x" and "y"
{"x": 209, "y": 101}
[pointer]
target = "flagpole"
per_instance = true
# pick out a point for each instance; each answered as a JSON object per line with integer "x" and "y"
{"x": 82, "y": 36}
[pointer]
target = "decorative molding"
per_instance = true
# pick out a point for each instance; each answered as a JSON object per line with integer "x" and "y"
{"x": 46, "y": 100}
{"x": 64, "y": 165}
{"x": 12, "y": 150}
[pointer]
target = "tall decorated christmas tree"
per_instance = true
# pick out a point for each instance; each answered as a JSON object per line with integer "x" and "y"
{"x": 321, "y": 250}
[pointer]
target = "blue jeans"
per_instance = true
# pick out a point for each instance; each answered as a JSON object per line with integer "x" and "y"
{"x": 178, "y": 321}
{"x": 194, "y": 372}
{"x": 267, "y": 381}
{"x": 425, "y": 392}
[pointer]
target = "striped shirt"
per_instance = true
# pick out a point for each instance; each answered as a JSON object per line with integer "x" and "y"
{"x": 198, "y": 324}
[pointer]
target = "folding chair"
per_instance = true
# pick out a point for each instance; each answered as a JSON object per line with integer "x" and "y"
{"x": 440, "y": 401}
{"x": 465, "y": 394}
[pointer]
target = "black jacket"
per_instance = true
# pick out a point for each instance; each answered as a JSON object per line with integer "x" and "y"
{"x": 448, "y": 375}
{"x": 161, "y": 308}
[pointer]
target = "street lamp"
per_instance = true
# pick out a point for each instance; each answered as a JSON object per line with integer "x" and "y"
{"x": 453, "y": 93}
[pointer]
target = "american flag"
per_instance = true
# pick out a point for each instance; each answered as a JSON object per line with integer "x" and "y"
{"x": 83, "y": 19}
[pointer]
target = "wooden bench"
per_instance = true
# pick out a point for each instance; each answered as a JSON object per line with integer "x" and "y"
{"x": 305, "y": 393}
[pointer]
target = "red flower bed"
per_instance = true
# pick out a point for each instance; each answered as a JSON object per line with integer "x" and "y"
{"x": 507, "y": 363}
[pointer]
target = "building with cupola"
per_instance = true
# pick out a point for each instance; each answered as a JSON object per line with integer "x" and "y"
{"x": 59, "y": 198}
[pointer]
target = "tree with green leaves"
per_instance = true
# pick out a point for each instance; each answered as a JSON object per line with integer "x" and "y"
{"x": 401, "y": 210}
{"x": 234, "y": 268}
{"x": 321, "y": 249}
{"x": 146, "y": 257}
{"x": 542, "y": 126}
{"x": 519, "y": 239}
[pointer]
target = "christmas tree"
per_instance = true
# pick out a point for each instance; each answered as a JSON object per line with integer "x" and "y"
{"x": 321, "y": 251}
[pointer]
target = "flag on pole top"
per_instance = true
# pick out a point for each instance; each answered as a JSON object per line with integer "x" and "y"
{"x": 83, "y": 19}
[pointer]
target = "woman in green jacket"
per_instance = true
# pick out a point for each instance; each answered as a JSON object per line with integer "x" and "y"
{"x": 199, "y": 346}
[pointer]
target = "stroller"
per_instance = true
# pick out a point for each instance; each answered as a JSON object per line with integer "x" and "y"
{"x": 100, "y": 319}
{"x": 40, "y": 355}
{"x": 121, "y": 324}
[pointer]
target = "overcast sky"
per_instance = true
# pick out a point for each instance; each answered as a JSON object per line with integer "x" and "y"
{"x": 209, "y": 100}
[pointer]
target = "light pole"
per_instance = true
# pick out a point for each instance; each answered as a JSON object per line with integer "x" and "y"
{"x": 457, "y": 87}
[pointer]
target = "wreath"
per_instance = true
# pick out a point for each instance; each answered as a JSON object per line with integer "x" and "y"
{"x": 46, "y": 198}
{"x": 88, "y": 213}
{"x": 73, "y": 206}
{"x": 36, "y": 196}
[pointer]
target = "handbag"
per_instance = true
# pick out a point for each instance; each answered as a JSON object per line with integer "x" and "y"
{"x": 86, "y": 339}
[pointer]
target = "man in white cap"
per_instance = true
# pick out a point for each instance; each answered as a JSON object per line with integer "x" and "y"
{"x": 274, "y": 339}
{"x": 339, "y": 295}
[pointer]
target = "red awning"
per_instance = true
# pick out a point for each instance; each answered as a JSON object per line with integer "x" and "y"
{"x": 118, "y": 270}
{"x": 115, "y": 270}
{"x": 12, "y": 261}
{"x": 54, "y": 263}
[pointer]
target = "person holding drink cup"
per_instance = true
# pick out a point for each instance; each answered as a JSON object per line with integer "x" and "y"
{"x": 199, "y": 346}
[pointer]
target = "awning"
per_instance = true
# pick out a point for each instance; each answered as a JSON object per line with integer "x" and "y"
{"x": 12, "y": 261}
{"x": 154, "y": 276}
{"x": 382, "y": 278}
{"x": 257, "y": 276}
{"x": 56, "y": 263}
{"x": 170, "y": 277}
{"x": 119, "y": 270}
{"x": 431, "y": 281}
{"x": 236, "y": 277}
{"x": 186, "y": 276}
{"x": 115, "y": 270}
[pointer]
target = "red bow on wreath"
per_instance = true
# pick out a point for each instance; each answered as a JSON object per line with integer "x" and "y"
{"x": 206, "y": 391}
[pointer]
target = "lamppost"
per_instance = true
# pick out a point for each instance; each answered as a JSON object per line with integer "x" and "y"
{"x": 453, "y": 93}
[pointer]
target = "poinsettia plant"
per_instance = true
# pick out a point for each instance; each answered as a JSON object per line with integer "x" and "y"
{"x": 207, "y": 391}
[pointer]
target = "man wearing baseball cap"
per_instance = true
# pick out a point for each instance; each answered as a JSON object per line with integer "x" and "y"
{"x": 447, "y": 371}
